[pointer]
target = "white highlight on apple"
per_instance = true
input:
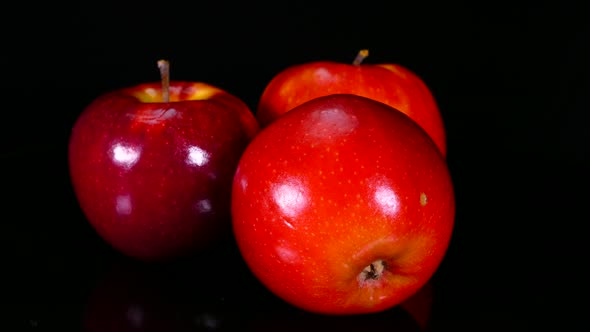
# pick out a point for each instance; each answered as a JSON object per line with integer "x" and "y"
{"x": 123, "y": 205}
{"x": 153, "y": 93}
{"x": 323, "y": 75}
{"x": 386, "y": 199}
{"x": 331, "y": 124}
{"x": 126, "y": 156}
{"x": 287, "y": 254}
{"x": 197, "y": 156}
{"x": 290, "y": 225}
{"x": 244, "y": 183}
{"x": 156, "y": 116}
{"x": 203, "y": 206}
{"x": 291, "y": 198}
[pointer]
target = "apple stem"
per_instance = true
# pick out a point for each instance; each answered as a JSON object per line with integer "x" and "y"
{"x": 164, "y": 67}
{"x": 374, "y": 270}
{"x": 362, "y": 55}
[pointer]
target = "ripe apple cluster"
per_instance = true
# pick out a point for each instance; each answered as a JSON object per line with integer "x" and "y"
{"x": 336, "y": 189}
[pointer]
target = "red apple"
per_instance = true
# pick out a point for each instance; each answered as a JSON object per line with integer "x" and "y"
{"x": 343, "y": 205}
{"x": 391, "y": 84}
{"x": 152, "y": 165}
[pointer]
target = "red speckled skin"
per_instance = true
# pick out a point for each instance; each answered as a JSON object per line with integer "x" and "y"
{"x": 331, "y": 186}
{"x": 154, "y": 178}
{"x": 391, "y": 84}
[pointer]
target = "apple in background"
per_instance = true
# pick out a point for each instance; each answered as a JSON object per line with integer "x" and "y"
{"x": 343, "y": 205}
{"x": 391, "y": 84}
{"x": 152, "y": 165}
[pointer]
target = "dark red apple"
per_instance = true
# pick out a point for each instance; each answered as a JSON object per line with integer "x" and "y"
{"x": 152, "y": 165}
{"x": 389, "y": 83}
{"x": 343, "y": 205}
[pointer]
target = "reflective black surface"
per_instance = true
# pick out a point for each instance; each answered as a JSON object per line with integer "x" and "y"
{"x": 510, "y": 80}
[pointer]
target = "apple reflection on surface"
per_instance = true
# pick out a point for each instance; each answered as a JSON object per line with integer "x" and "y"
{"x": 132, "y": 297}
{"x": 136, "y": 297}
{"x": 414, "y": 314}
{"x": 291, "y": 198}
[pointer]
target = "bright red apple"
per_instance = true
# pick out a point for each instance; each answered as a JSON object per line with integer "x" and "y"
{"x": 152, "y": 165}
{"x": 391, "y": 84}
{"x": 343, "y": 205}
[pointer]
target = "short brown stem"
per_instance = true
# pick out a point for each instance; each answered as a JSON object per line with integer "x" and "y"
{"x": 164, "y": 67}
{"x": 362, "y": 54}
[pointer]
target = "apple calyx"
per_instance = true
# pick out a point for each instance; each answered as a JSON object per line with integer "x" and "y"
{"x": 373, "y": 271}
{"x": 164, "y": 66}
{"x": 361, "y": 55}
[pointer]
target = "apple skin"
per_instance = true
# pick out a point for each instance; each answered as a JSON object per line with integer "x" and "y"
{"x": 154, "y": 178}
{"x": 334, "y": 185}
{"x": 392, "y": 84}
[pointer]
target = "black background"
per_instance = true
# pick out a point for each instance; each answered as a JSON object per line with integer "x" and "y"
{"x": 510, "y": 79}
